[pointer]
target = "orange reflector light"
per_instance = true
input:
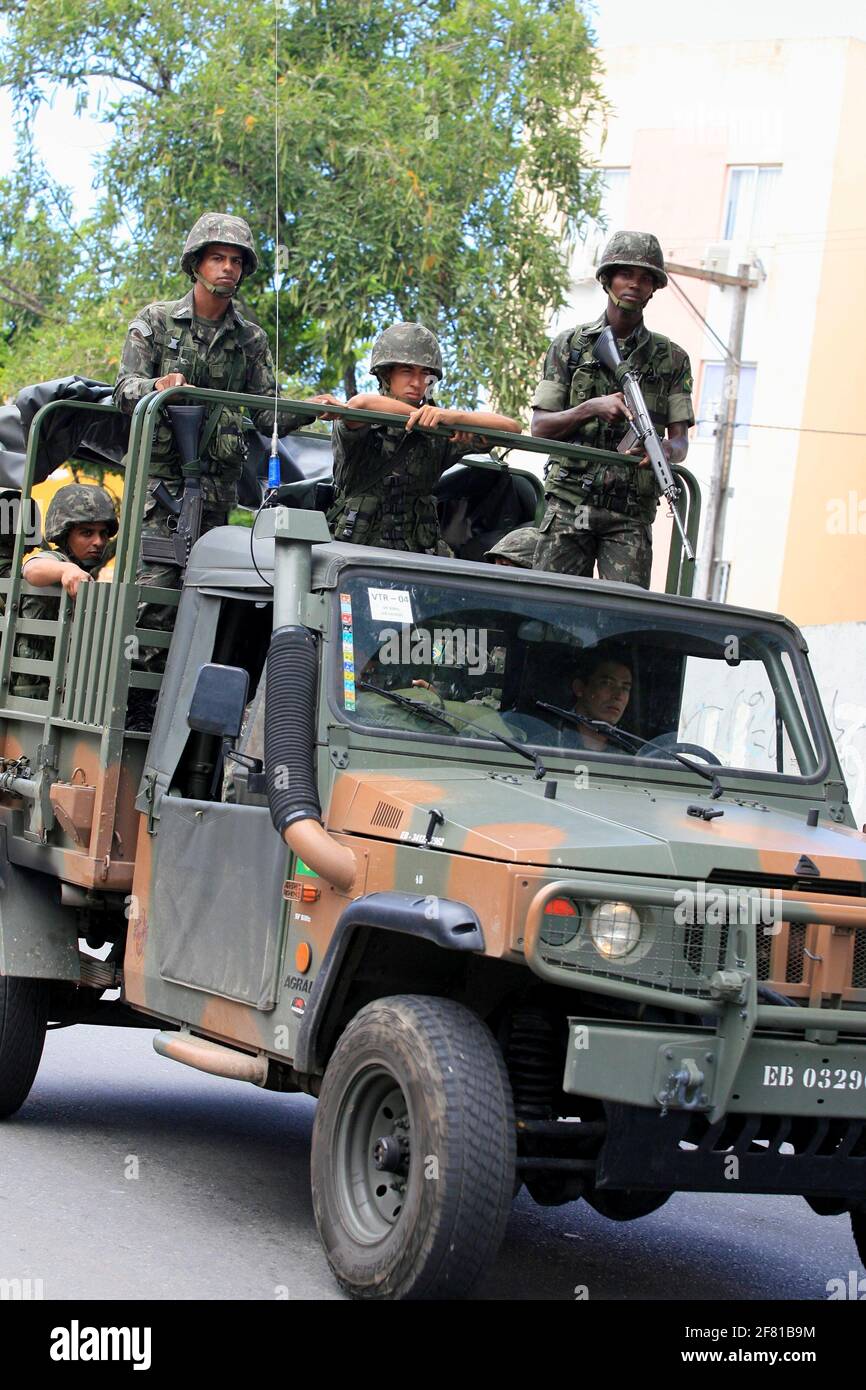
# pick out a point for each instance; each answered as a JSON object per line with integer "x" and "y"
{"x": 303, "y": 956}
{"x": 560, "y": 907}
{"x": 297, "y": 891}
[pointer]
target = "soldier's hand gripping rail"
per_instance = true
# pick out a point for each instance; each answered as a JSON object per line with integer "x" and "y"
{"x": 186, "y": 423}
{"x": 642, "y": 429}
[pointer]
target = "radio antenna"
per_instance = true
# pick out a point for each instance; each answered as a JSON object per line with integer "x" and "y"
{"x": 274, "y": 472}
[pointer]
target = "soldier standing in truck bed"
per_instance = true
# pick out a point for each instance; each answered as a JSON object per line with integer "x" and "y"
{"x": 385, "y": 475}
{"x": 601, "y": 514}
{"x": 199, "y": 340}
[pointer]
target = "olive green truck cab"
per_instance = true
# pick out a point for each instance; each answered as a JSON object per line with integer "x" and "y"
{"x": 531, "y": 880}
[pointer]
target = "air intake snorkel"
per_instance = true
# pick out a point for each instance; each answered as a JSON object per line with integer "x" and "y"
{"x": 290, "y": 701}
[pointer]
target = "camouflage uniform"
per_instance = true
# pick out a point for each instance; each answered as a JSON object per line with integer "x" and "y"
{"x": 70, "y": 506}
{"x": 7, "y": 545}
{"x": 227, "y": 354}
{"x": 518, "y": 547}
{"x": 603, "y": 513}
{"x": 384, "y": 475}
{"x": 385, "y": 479}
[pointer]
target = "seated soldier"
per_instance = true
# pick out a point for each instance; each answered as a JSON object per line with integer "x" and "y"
{"x": 602, "y": 690}
{"x": 79, "y": 523}
{"x": 516, "y": 549}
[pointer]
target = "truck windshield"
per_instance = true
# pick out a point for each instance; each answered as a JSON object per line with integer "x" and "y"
{"x": 572, "y": 675}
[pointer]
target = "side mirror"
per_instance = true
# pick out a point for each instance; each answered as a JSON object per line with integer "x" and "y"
{"x": 219, "y": 700}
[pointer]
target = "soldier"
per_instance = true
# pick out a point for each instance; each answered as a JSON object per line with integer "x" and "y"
{"x": 79, "y": 523}
{"x": 200, "y": 340}
{"x": 602, "y": 690}
{"x": 516, "y": 549}
{"x": 602, "y": 513}
{"x": 385, "y": 475}
{"x": 10, "y": 503}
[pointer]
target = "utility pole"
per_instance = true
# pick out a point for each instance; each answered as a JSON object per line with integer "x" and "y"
{"x": 708, "y": 573}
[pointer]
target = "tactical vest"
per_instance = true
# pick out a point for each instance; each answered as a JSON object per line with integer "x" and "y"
{"x": 224, "y": 369}
{"x": 620, "y": 487}
{"x": 385, "y": 491}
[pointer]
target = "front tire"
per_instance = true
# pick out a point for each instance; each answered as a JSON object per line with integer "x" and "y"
{"x": 413, "y": 1157}
{"x": 23, "y": 1017}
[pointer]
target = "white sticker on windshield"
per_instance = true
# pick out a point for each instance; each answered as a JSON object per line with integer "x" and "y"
{"x": 390, "y": 605}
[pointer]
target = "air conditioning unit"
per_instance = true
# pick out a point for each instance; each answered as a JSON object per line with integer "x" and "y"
{"x": 717, "y": 257}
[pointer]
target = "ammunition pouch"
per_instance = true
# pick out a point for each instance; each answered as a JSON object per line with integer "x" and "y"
{"x": 391, "y": 517}
{"x": 621, "y": 497}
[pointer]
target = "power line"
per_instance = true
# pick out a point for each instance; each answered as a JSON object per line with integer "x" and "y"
{"x": 696, "y": 311}
{"x": 789, "y": 429}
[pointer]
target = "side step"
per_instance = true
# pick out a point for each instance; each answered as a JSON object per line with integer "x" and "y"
{"x": 212, "y": 1057}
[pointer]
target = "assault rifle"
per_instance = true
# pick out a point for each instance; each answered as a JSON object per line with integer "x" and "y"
{"x": 641, "y": 430}
{"x": 186, "y": 424}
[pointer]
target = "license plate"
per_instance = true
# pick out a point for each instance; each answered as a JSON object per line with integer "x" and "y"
{"x": 784, "y": 1074}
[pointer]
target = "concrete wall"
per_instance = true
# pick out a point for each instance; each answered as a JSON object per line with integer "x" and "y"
{"x": 824, "y": 574}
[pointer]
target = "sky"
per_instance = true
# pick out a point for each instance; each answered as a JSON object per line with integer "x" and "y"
{"x": 68, "y": 143}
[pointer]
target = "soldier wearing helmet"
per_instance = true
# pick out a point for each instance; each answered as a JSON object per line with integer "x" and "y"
{"x": 517, "y": 549}
{"x": 385, "y": 475}
{"x": 199, "y": 340}
{"x": 601, "y": 514}
{"x": 79, "y": 523}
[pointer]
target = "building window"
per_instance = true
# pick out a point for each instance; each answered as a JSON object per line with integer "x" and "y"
{"x": 713, "y": 400}
{"x": 750, "y": 204}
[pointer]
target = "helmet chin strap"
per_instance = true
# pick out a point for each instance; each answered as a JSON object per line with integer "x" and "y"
{"x": 624, "y": 307}
{"x": 221, "y": 291}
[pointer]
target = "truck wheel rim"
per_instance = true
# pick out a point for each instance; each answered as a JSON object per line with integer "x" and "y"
{"x": 373, "y": 1109}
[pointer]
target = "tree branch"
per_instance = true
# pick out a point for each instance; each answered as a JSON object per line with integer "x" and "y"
{"x": 21, "y": 299}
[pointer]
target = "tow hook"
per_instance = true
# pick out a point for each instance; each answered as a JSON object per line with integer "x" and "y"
{"x": 684, "y": 1088}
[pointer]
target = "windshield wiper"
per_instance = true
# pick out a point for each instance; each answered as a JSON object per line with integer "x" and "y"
{"x": 632, "y": 742}
{"x": 421, "y": 706}
{"x": 418, "y": 706}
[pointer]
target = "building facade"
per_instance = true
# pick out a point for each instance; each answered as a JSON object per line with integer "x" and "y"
{"x": 751, "y": 152}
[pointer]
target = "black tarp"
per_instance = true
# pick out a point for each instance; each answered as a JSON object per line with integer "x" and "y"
{"x": 77, "y": 435}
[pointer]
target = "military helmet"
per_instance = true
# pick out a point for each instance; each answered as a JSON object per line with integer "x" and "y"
{"x": 518, "y": 547}
{"x": 219, "y": 226}
{"x": 78, "y": 504}
{"x": 406, "y": 345}
{"x": 634, "y": 248}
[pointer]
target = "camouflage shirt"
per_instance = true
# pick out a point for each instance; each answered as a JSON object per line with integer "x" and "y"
{"x": 572, "y": 376}
{"x": 385, "y": 477}
{"x": 230, "y": 355}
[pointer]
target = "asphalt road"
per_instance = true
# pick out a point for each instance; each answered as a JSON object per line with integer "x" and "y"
{"x": 126, "y": 1176}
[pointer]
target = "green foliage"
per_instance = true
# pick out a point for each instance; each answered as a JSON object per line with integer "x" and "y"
{"x": 421, "y": 153}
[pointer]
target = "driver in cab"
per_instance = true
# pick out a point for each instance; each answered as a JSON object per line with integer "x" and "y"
{"x": 602, "y": 690}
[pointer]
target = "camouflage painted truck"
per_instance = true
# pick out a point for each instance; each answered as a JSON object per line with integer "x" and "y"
{"x": 606, "y": 955}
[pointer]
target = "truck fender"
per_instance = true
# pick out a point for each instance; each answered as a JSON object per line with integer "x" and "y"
{"x": 38, "y": 937}
{"x": 451, "y": 925}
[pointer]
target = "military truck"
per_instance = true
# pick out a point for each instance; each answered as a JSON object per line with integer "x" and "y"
{"x": 530, "y": 880}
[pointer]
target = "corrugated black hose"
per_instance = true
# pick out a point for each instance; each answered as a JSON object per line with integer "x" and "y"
{"x": 290, "y": 727}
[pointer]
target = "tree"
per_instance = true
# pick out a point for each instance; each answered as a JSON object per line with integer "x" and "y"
{"x": 422, "y": 154}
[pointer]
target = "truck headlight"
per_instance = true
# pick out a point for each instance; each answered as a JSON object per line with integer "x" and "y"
{"x": 615, "y": 929}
